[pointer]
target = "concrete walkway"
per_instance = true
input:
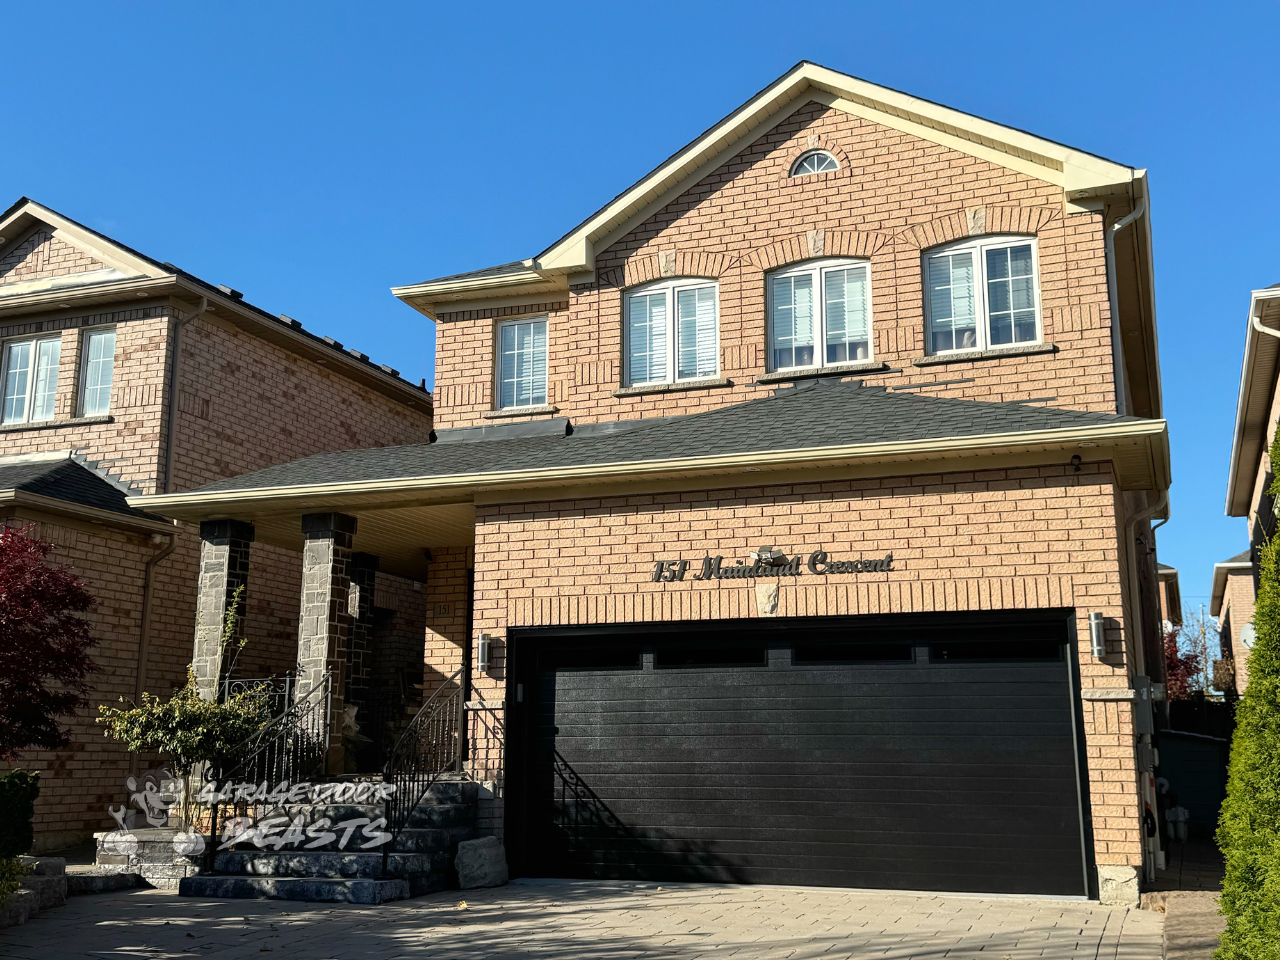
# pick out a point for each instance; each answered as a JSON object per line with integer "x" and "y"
{"x": 601, "y": 921}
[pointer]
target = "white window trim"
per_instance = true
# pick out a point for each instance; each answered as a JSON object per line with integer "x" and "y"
{"x": 670, "y": 288}
{"x": 544, "y": 319}
{"x": 83, "y": 360}
{"x": 795, "y": 166}
{"x": 982, "y": 318}
{"x": 818, "y": 269}
{"x": 35, "y": 342}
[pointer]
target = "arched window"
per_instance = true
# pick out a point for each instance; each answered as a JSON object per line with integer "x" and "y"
{"x": 815, "y": 161}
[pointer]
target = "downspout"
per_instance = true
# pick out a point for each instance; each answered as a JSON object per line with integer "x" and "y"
{"x": 1117, "y": 348}
{"x": 1139, "y": 657}
{"x": 144, "y": 632}
{"x": 1146, "y": 784}
{"x": 171, "y": 429}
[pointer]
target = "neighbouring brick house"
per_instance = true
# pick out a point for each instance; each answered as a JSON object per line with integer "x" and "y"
{"x": 806, "y": 489}
{"x": 126, "y": 376}
{"x": 1249, "y": 479}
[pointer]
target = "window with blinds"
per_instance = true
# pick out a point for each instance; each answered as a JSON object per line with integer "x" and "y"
{"x": 819, "y": 315}
{"x": 99, "y": 371}
{"x": 522, "y": 364}
{"x": 672, "y": 332}
{"x": 30, "y": 377}
{"x": 982, "y": 294}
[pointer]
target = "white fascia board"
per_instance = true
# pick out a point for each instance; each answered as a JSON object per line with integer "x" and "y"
{"x": 1241, "y": 475}
{"x": 467, "y": 485}
{"x": 1220, "y": 573}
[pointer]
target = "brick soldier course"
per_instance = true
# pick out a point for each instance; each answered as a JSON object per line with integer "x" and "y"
{"x": 204, "y": 386}
{"x": 1019, "y": 478}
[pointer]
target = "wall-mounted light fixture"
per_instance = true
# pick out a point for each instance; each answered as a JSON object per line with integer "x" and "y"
{"x": 483, "y": 652}
{"x": 1097, "y": 635}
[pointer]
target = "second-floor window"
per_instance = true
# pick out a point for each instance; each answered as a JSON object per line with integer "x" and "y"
{"x": 672, "y": 332}
{"x": 30, "y": 379}
{"x": 819, "y": 314}
{"x": 522, "y": 363}
{"x": 98, "y": 365}
{"x": 982, "y": 294}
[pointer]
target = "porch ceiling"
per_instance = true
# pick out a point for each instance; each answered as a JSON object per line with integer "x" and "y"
{"x": 397, "y": 535}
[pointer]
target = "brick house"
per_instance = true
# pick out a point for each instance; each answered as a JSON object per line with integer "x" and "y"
{"x": 1249, "y": 477}
{"x": 806, "y": 490}
{"x": 126, "y": 376}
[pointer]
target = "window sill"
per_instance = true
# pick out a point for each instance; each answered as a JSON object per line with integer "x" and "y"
{"x": 833, "y": 370}
{"x": 707, "y": 383}
{"x": 541, "y": 410}
{"x": 961, "y": 356}
{"x": 55, "y": 424}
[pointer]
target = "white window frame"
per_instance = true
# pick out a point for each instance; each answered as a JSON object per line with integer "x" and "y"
{"x": 795, "y": 167}
{"x": 671, "y": 289}
{"x": 497, "y": 361}
{"x": 818, "y": 269}
{"x": 982, "y": 317}
{"x": 86, "y": 339}
{"x": 36, "y": 342}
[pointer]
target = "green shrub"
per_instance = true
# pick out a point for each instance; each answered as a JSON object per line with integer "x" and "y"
{"x": 18, "y": 792}
{"x": 1249, "y": 830}
{"x": 12, "y": 870}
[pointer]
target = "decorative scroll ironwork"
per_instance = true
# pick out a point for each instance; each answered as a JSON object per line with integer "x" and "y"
{"x": 277, "y": 691}
{"x": 429, "y": 747}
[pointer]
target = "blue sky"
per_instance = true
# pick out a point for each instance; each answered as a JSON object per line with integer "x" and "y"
{"x": 314, "y": 154}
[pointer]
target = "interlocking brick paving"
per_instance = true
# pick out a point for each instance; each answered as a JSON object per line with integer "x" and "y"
{"x": 603, "y": 921}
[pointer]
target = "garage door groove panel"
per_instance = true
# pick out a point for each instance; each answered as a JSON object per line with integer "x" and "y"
{"x": 914, "y": 774}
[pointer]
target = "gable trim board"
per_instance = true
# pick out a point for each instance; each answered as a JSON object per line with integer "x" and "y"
{"x": 141, "y": 278}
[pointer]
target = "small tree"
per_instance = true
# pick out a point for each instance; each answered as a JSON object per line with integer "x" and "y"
{"x": 1182, "y": 670}
{"x": 44, "y": 645}
{"x": 1249, "y": 829}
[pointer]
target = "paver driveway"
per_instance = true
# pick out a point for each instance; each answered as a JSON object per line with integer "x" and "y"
{"x": 578, "y": 919}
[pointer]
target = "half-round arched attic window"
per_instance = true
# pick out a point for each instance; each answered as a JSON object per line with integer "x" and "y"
{"x": 815, "y": 161}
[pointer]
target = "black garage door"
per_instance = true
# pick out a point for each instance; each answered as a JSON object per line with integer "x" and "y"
{"x": 905, "y": 753}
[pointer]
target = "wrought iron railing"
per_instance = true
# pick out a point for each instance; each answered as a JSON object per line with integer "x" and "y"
{"x": 430, "y": 747}
{"x": 291, "y": 748}
{"x": 277, "y": 691}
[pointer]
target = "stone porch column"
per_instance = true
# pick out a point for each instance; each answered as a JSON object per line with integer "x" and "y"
{"x": 224, "y": 567}
{"x": 324, "y": 623}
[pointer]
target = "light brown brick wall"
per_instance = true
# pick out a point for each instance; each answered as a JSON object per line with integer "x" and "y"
{"x": 1000, "y": 539}
{"x": 81, "y": 780}
{"x": 1238, "y": 606}
{"x": 43, "y": 256}
{"x": 249, "y": 404}
{"x": 894, "y": 196}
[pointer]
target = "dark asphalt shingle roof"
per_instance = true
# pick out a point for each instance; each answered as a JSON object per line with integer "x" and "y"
{"x": 502, "y": 269}
{"x": 1245, "y": 557}
{"x": 819, "y": 413}
{"x": 68, "y": 480}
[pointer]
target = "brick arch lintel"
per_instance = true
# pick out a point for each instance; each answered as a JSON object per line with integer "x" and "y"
{"x": 978, "y": 221}
{"x": 819, "y": 242}
{"x": 667, "y": 265}
{"x": 816, "y": 141}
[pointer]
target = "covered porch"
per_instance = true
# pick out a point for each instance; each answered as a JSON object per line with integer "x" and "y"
{"x": 382, "y": 616}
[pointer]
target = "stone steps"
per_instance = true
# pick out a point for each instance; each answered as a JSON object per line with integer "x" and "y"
{"x": 314, "y": 889}
{"x": 421, "y": 863}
